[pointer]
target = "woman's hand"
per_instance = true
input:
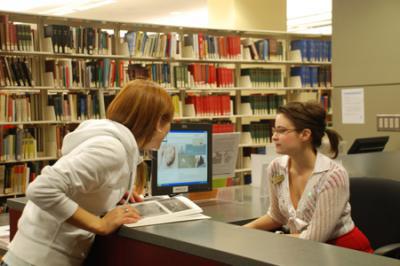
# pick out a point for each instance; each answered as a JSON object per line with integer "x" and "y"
{"x": 134, "y": 198}
{"x": 123, "y": 214}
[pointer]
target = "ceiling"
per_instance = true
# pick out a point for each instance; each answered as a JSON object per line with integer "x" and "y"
{"x": 171, "y": 12}
{"x": 308, "y": 16}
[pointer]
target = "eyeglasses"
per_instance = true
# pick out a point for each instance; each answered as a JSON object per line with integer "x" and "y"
{"x": 282, "y": 130}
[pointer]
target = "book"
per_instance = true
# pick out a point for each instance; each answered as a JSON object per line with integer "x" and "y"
{"x": 165, "y": 209}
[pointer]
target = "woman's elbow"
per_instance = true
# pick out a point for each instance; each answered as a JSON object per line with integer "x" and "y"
{"x": 31, "y": 191}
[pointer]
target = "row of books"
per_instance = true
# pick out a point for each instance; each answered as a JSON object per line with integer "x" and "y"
{"x": 264, "y": 49}
{"x": 203, "y": 76}
{"x": 73, "y": 73}
{"x": 15, "y": 37}
{"x": 204, "y": 46}
{"x": 260, "y": 132}
{"x": 66, "y": 39}
{"x": 159, "y": 73}
{"x": 223, "y": 127}
{"x": 261, "y": 77}
{"x": 151, "y": 44}
{"x": 77, "y": 40}
{"x": 18, "y": 146}
{"x": 21, "y": 107}
{"x": 208, "y": 105}
{"x": 102, "y": 73}
{"x": 96, "y": 41}
{"x": 55, "y": 107}
{"x": 77, "y": 106}
{"x": 14, "y": 179}
{"x": 311, "y": 50}
{"x": 262, "y": 104}
{"x": 15, "y": 71}
{"x": 109, "y": 73}
{"x": 310, "y": 76}
{"x": 30, "y": 143}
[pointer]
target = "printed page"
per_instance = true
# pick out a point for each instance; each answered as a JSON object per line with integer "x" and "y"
{"x": 167, "y": 210}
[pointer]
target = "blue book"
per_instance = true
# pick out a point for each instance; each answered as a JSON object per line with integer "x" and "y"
{"x": 307, "y": 76}
{"x": 266, "y": 49}
{"x": 329, "y": 50}
{"x": 143, "y": 43}
{"x": 165, "y": 73}
{"x": 314, "y": 76}
{"x": 325, "y": 48}
{"x": 130, "y": 39}
{"x": 318, "y": 49}
{"x": 310, "y": 50}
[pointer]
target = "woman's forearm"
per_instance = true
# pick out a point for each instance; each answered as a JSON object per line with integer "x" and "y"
{"x": 87, "y": 221}
{"x": 264, "y": 222}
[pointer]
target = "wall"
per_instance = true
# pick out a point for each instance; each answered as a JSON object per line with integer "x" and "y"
{"x": 366, "y": 53}
{"x": 247, "y": 14}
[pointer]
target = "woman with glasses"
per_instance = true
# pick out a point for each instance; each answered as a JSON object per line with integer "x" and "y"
{"x": 308, "y": 191}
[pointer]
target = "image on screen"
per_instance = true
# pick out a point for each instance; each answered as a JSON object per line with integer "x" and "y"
{"x": 182, "y": 159}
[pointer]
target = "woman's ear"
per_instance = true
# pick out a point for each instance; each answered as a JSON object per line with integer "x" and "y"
{"x": 305, "y": 135}
{"x": 158, "y": 126}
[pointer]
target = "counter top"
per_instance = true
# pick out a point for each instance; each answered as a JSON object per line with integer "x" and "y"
{"x": 220, "y": 241}
{"x": 236, "y": 245}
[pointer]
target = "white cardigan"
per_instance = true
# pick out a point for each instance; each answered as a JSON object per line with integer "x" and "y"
{"x": 99, "y": 159}
{"x": 323, "y": 212}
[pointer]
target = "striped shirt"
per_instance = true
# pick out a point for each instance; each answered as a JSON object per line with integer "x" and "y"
{"x": 323, "y": 211}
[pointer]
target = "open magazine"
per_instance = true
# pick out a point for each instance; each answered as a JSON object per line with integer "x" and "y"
{"x": 167, "y": 209}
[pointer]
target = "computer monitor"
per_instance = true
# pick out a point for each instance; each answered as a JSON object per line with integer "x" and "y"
{"x": 184, "y": 161}
{"x": 364, "y": 145}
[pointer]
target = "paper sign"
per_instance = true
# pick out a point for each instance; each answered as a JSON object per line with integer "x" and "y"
{"x": 353, "y": 106}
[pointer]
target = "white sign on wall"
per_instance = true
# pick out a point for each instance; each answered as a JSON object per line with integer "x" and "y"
{"x": 353, "y": 106}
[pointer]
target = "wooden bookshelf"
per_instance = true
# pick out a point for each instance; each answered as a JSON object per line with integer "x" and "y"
{"x": 38, "y": 159}
{"x": 235, "y": 63}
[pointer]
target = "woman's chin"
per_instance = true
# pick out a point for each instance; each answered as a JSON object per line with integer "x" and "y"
{"x": 279, "y": 150}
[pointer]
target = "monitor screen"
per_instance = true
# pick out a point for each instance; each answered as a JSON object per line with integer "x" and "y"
{"x": 184, "y": 161}
{"x": 364, "y": 145}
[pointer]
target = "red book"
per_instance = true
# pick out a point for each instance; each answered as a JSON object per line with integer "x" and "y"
{"x": 219, "y": 77}
{"x": 112, "y": 74}
{"x": 5, "y": 35}
{"x": 121, "y": 74}
{"x": 231, "y": 77}
{"x": 222, "y": 104}
{"x": 203, "y": 79}
{"x": 216, "y": 128}
{"x": 221, "y": 47}
{"x": 201, "y": 45}
{"x": 236, "y": 45}
{"x": 66, "y": 74}
{"x": 213, "y": 75}
{"x": 230, "y": 46}
{"x": 227, "y": 104}
{"x": 168, "y": 48}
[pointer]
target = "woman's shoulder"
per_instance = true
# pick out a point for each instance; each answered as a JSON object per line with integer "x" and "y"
{"x": 281, "y": 161}
{"x": 336, "y": 176}
{"x": 278, "y": 165}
